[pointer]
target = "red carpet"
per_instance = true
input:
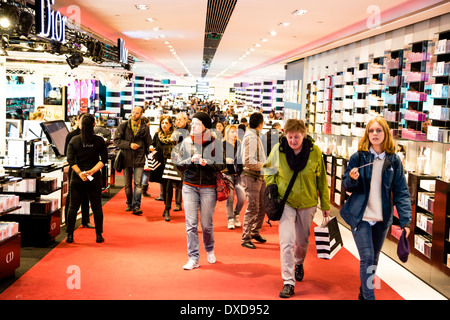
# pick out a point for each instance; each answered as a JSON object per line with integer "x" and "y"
{"x": 142, "y": 258}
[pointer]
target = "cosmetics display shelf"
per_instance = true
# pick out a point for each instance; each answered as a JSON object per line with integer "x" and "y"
{"x": 394, "y": 96}
{"x": 416, "y": 78}
{"x": 439, "y": 130}
{"x": 360, "y": 102}
{"x": 337, "y": 103}
{"x": 40, "y": 227}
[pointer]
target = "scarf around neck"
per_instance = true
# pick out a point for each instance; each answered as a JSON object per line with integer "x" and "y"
{"x": 202, "y": 138}
{"x": 165, "y": 138}
{"x": 297, "y": 162}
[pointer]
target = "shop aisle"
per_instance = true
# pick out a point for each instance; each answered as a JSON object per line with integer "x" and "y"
{"x": 142, "y": 258}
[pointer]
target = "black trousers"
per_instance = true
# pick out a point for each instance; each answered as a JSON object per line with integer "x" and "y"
{"x": 91, "y": 190}
{"x": 84, "y": 205}
{"x": 168, "y": 186}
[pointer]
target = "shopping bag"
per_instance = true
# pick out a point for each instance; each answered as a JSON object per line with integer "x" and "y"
{"x": 223, "y": 187}
{"x": 118, "y": 161}
{"x": 152, "y": 162}
{"x": 328, "y": 238}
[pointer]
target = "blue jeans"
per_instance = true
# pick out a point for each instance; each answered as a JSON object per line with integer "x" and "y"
{"x": 133, "y": 198}
{"x": 369, "y": 241}
{"x": 240, "y": 194}
{"x": 195, "y": 198}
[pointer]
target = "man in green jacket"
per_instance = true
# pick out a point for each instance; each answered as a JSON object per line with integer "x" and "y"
{"x": 297, "y": 152}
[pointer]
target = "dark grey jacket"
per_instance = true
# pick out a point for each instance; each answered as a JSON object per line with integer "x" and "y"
{"x": 123, "y": 137}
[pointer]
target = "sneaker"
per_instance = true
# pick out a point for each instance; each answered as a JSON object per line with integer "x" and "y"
{"x": 288, "y": 291}
{"x": 299, "y": 272}
{"x": 231, "y": 224}
{"x": 248, "y": 244}
{"x": 237, "y": 223}
{"x": 191, "y": 264}
{"x": 211, "y": 257}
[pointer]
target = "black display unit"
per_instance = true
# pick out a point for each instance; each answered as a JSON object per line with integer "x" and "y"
{"x": 56, "y": 132}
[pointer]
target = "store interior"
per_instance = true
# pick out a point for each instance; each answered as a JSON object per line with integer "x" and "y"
{"x": 390, "y": 59}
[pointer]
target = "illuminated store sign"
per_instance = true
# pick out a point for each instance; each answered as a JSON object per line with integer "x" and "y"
{"x": 49, "y": 23}
{"x": 123, "y": 52}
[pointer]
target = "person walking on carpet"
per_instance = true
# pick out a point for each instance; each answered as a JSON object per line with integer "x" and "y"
{"x": 133, "y": 138}
{"x": 231, "y": 145}
{"x": 252, "y": 179}
{"x": 296, "y": 152}
{"x": 83, "y": 154}
{"x": 376, "y": 179}
{"x": 200, "y": 157}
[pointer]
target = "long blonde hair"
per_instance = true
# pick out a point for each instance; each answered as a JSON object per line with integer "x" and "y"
{"x": 227, "y": 130}
{"x": 388, "y": 142}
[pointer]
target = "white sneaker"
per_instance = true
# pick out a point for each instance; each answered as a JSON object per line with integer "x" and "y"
{"x": 231, "y": 224}
{"x": 211, "y": 257}
{"x": 237, "y": 223}
{"x": 190, "y": 265}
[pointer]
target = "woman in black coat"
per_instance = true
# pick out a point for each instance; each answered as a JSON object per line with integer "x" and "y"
{"x": 83, "y": 154}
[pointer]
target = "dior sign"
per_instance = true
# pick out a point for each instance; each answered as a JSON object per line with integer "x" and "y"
{"x": 50, "y": 24}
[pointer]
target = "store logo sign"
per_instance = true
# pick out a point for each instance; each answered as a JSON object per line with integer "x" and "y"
{"x": 123, "y": 52}
{"x": 49, "y": 23}
{"x": 10, "y": 257}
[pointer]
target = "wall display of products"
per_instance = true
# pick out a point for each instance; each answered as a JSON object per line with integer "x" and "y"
{"x": 13, "y": 104}
{"x": 80, "y": 97}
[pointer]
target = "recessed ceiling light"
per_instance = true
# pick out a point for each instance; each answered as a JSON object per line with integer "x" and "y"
{"x": 252, "y": 49}
{"x": 273, "y": 33}
{"x": 141, "y": 7}
{"x": 166, "y": 42}
{"x": 284, "y": 24}
{"x": 264, "y": 40}
{"x": 150, "y": 19}
{"x": 257, "y": 45}
{"x": 157, "y": 29}
{"x": 299, "y": 12}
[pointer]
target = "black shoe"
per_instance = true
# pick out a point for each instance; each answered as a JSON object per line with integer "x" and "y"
{"x": 100, "y": 239}
{"x": 177, "y": 208}
{"x": 159, "y": 199}
{"x": 137, "y": 211}
{"x": 248, "y": 245}
{"x": 146, "y": 195}
{"x": 69, "y": 238}
{"x": 129, "y": 208}
{"x": 88, "y": 225}
{"x": 166, "y": 215}
{"x": 299, "y": 272}
{"x": 288, "y": 291}
{"x": 259, "y": 238}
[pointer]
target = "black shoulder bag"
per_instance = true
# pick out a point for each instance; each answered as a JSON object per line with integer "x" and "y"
{"x": 273, "y": 204}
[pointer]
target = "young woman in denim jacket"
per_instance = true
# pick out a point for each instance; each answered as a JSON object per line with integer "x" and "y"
{"x": 376, "y": 179}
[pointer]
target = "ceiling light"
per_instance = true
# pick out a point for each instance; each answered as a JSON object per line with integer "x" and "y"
{"x": 161, "y": 36}
{"x": 284, "y": 24}
{"x": 150, "y": 19}
{"x": 75, "y": 60}
{"x": 166, "y": 42}
{"x": 273, "y": 33}
{"x": 141, "y": 7}
{"x": 5, "y": 23}
{"x": 156, "y": 28}
{"x": 264, "y": 40}
{"x": 299, "y": 12}
{"x": 257, "y": 45}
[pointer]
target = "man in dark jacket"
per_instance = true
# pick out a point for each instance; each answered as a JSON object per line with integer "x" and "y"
{"x": 133, "y": 138}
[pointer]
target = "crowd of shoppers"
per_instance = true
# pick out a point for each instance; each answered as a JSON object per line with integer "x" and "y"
{"x": 189, "y": 152}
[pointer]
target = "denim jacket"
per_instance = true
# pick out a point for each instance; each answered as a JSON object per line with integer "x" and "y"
{"x": 394, "y": 190}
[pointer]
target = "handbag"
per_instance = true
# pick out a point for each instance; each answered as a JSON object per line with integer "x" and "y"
{"x": 118, "y": 161}
{"x": 223, "y": 187}
{"x": 273, "y": 204}
{"x": 328, "y": 238}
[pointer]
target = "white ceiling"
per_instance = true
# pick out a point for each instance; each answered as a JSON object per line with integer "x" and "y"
{"x": 182, "y": 24}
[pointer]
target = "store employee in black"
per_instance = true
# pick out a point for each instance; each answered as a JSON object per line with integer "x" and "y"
{"x": 85, "y": 221}
{"x": 86, "y": 155}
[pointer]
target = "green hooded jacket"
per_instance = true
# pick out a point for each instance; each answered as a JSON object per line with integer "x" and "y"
{"x": 311, "y": 182}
